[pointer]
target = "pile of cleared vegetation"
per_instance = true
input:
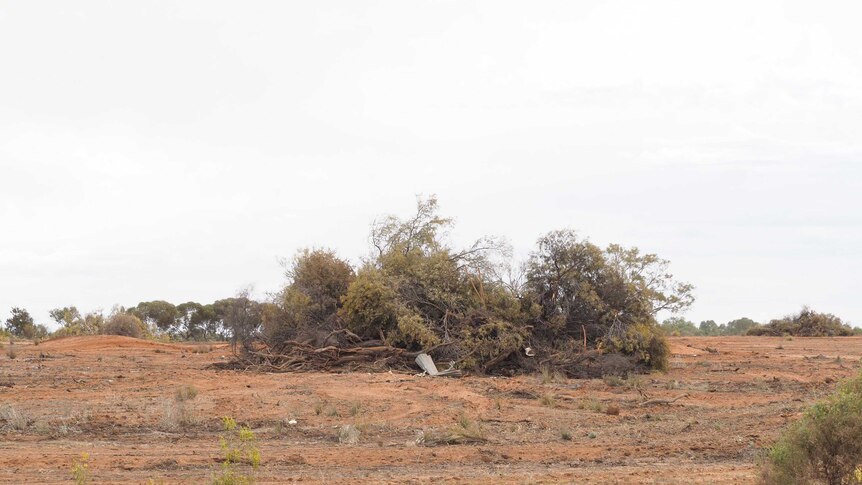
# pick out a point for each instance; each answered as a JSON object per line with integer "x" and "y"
{"x": 572, "y": 307}
{"x": 825, "y": 446}
{"x": 806, "y": 323}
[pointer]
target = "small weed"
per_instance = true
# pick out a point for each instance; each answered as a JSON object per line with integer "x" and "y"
{"x": 628, "y": 382}
{"x": 592, "y": 404}
{"x": 355, "y": 408}
{"x": 81, "y": 469}
{"x": 465, "y": 431}
{"x": 186, "y": 393}
{"x": 566, "y": 435}
{"x": 548, "y": 400}
{"x": 239, "y": 447}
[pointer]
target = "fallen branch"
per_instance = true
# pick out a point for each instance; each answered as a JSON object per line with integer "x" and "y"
{"x": 662, "y": 401}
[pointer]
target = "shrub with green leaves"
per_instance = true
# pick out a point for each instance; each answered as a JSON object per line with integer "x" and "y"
{"x": 239, "y": 450}
{"x": 825, "y": 446}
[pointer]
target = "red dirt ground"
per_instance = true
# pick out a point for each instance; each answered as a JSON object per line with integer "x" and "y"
{"x": 113, "y": 397}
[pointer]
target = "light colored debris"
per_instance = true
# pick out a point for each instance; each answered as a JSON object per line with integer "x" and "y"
{"x": 426, "y": 363}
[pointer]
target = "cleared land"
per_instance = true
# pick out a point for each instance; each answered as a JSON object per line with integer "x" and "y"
{"x": 114, "y": 397}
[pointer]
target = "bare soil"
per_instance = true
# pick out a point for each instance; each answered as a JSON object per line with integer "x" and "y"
{"x": 113, "y": 397}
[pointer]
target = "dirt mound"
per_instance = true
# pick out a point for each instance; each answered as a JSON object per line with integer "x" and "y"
{"x": 101, "y": 342}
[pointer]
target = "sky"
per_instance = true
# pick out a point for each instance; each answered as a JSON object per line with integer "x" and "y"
{"x": 180, "y": 150}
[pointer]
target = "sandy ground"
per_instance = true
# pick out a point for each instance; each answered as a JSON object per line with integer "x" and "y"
{"x": 113, "y": 397}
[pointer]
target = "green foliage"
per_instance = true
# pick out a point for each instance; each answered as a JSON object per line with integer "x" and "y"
{"x": 825, "y": 446}
{"x": 490, "y": 343}
{"x": 242, "y": 317}
{"x": 239, "y": 450}
{"x": 159, "y": 313}
{"x": 323, "y": 278}
{"x": 806, "y": 323}
{"x": 644, "y": 341}
{"x": 740, "y": 326}
{"x": 612, "y": 295}
{"x": 370, "y": 306}
{"x": 20, "y": 323}
{"x": 413, "y": 332}
{"x": 709, "y": 328}
{"x": 126, "y": 325}
{"x": 680, "y": 327}
{"x": 72, "y": 323}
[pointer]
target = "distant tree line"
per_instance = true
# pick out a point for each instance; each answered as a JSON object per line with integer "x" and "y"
{"x": 805, "y": 323}
{"x": 149, "y": 319}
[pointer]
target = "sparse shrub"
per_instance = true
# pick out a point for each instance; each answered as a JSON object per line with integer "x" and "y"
{"x": 825, "y": 446}
{"x": 14, "y": 418}
{"x": 355, "y": 408}
{"x": 185, "y": 393}
{"x": 592, "y": 404}
{"x": 566, "y": 435}
{"x": 11, "y": 352}
{"x": 177, "y": 413}
{"x": 465, "y": 431}
{"x": 126, "y": 325}
{"x": 548, "y": 400}
{"x": 239, "y": 449}
{"x": 348, "y": 434}
{"x": 81, "y": 469}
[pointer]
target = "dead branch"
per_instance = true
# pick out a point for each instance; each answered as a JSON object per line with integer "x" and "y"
{"x": 662, "y": 401}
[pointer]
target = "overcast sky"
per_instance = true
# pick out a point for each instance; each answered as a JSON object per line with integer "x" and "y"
{"x": 177, "y": 150}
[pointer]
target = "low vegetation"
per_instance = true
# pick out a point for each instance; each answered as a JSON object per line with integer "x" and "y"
{"x": 240, "y": 455}
{"x": 825, "y": 446}
{"x": 806, "y": 323}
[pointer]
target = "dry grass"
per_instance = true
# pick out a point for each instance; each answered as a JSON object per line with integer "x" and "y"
{"x": 348, "y": 434}
{"x": 466, "y": 431}
{"x": 14, "y": 418}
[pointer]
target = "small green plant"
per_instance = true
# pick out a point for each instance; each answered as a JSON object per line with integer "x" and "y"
{"x": 822, "y": 447}
{"x": 566, "y": 435}
{"x": 239, "y": 448}
{"x": 81, "y": 469}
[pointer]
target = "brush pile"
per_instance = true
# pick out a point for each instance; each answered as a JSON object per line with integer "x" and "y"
{"x": 573, "y": 307}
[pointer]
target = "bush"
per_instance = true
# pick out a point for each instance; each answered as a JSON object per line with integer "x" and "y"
{"x": 825, "y": 446}
{"x": 370, "y": 305}
{"x": 806, "y": 323}
{"x": 126, "y": 325}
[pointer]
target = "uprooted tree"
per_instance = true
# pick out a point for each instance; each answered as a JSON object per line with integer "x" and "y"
{"x": 576, "y": 307}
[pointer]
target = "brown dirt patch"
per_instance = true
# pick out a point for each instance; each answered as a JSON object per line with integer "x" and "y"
{"x": 109, "y": 396}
